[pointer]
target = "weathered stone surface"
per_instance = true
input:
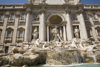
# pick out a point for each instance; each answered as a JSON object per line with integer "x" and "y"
{"x": 88, "y": 59}
{"x": 98, "y": 47}
{"x": 64, "y": 57}
{"x": 98, "y": 58}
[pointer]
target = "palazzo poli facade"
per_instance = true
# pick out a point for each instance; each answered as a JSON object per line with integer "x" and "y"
{"x": 20, "y": 24}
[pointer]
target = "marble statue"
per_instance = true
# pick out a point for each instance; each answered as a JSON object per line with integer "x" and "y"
{"x": 56, "y": 36}
{"x": 35, "y": 33}
{"x": 76, "y": 32}
{"x": 73, "y": 44}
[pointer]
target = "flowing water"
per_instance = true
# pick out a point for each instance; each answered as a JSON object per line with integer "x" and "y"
{"x": 79, "y": 65}
{"x": 94, "y": 58}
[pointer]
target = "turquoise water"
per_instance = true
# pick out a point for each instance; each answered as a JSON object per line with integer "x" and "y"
{"x": 79, "y": 65}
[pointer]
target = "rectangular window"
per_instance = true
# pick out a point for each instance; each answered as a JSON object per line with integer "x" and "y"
{"x": 8, "y": 33}
{"x": 85, "y": 17}
{"x": 20, "y": 33}
{"x": 1, "y": 17}
{"x": 98, "y": 32}
{"x": 12, "y": 16}
{"x": 23, "y": 16}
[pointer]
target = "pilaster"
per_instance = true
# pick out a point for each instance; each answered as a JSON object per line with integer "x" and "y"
{"x": 69, "y": 26}
{"x": 42, "y": 26}
{"x": 64, "y": 32}
{"x": 83, "y": 31}
{"x": 27, "y": 26}
{"x": 4, "y": 27}
{"x": 17, "y": 16}
{"x": 93, "y": 27}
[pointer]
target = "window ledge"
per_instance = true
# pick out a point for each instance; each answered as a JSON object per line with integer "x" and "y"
{"x": 1, "y": 20}
{"x": 11, "y": 20}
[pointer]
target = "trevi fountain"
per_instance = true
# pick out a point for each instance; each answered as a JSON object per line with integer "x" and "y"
{"x": 60, "y": 49}
{"x": 55, "y": 52}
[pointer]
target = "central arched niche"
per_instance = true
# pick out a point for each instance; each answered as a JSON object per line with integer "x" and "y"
{"x": 55, "y": 19}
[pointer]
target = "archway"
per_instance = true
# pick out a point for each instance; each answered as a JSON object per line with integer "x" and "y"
{"x": 55, "y": 20}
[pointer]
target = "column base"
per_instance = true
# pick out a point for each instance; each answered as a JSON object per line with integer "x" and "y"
{"x": 97, "y": 42}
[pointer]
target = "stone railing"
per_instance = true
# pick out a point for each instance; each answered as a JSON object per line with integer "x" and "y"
{"x": 20, "y": 39}
{"x": 11, "y": 22}
{"x": 21, "y": 23}
{"x": 91, "y": 6}
{"x": 22, "y": 20}
{"x": 11, "y": 6}
{"x": 8, "y": 39}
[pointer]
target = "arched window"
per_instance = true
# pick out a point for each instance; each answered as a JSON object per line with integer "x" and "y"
{"x": 9, "y": 32}
{"x": 20, "y": 33}
{"x": 1, "y": 16}
{"x": 12, "y": 16}
{"x": 9, "y": 35}
{"x": 22, "y": 16}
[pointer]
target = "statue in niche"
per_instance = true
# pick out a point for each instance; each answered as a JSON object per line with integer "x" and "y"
{"x": 35, "y": 33}
{"x": 55, "y": 36}
{"x": 35, "y": 17}
{"x": 76, "y": 32}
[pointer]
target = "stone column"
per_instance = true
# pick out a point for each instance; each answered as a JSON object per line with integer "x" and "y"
{"x": 83, "y": 31}
{"x": 30, "y": 29}
{"x": 93, "y": 28}
{"x": 69, "y": 26}
{"x": 27, "y": 26}
{"x": 15, "y": 28}
{"x": 42, "y": 26}
{"x": 4, "y": 28}
{"x": 60, "y": 31}
{"x": 64, "y": 33}
{"x": 47, "y": 33}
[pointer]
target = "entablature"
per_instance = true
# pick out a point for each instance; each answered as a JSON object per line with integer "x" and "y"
{"x": 12, "y": 6}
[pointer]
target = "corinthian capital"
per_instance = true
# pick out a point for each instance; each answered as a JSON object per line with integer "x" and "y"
{"x": 28, "y": 9}
{"x": 67, "y": 10}
{"x": 42, "y": 9}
